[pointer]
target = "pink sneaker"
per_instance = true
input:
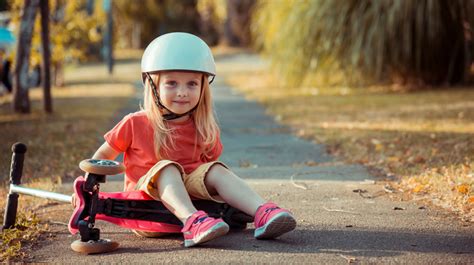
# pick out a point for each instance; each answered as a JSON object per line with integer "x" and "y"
{"x": 271, "y": 221}
{"x": 200, "y": 228}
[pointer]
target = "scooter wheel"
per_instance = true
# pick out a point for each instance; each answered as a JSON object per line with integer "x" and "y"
{"x": 102, "y": 166}
{"x": 92, "y": 247}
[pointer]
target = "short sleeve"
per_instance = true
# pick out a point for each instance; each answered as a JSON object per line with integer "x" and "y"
{"x": 120, "y": 137}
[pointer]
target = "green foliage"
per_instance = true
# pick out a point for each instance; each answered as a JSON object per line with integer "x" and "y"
{"x": 218, "y": 7}
{"x": 73, "y": 33}
{"x": 213, "y": 14}
{"x": 155, "y": 17}
{"x": 412, "y": 40}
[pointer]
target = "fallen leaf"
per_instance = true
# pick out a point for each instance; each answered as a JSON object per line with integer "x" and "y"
{"x": 471, "y": 199}
{"x": 463, "y": 188}
{"x": 311, "y": 163}
{"x": 348, "y": 259}
{"x": 377, "y": 144}
{"x": 367, "y": 181}
{"x": 388, "y": 188}
{"x": 300, "y": 185}
{"x": 245, "y": 164}
{"x": 419, "y": 160}
{"x": 375, "y": 141}
{"x": 393, "y": 159}
{"x": 418, "y": 188}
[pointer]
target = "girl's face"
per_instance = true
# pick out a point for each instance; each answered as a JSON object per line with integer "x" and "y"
{"x": 180, "y": 91}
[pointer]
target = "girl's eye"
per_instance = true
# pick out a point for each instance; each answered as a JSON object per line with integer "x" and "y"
{"x": 170, "y": 83}
{"x": 192, "y": 83}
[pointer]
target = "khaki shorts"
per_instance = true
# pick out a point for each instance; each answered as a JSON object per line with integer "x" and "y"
{"x": 193, "y": 182}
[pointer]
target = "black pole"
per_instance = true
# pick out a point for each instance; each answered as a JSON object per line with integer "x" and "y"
{"x": 16, "y": 170}
{"x": 110, "y": 37}
{"x": 107, "y": 45}
{"x": 46, "y": 56}
{"x": 90, "y": 7}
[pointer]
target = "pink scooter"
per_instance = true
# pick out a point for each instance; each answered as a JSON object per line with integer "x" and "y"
{"x": 131, "y": 210}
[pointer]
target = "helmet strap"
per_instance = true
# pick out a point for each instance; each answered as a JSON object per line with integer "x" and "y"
{"x": 171, "y": 115}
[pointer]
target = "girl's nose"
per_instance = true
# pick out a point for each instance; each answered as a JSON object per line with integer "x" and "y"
{"x": 182, "y": 92}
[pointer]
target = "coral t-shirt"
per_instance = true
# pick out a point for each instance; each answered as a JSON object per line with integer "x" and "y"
{"x": 133, "y": 136}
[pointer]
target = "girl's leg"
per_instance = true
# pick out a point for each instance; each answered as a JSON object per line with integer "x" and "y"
{"x": 173, "y": 194}
{"x": 270, "y": 220}
{"x": 198, "y": 226}
{"x": 232, "y": 189}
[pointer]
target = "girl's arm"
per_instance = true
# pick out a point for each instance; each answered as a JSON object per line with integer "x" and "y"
{"x": 215, "y": 152}
{"x": 105, "y": 151}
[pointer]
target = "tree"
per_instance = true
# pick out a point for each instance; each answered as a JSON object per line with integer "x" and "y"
{"x": 75, "y": 36}
{"x": 237, "y": 24}
{"x": 45, "y": 67}
{"x": 21, "y": 101}
{"x": 212, "y": 16}
{"x": 151, "y": 18}
{"x": 419, "y": 41}
{"x": 108, "y": 40}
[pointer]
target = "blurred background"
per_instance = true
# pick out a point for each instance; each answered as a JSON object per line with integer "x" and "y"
{"x": 308, "y": 41}
{"x": 383, "y": 83}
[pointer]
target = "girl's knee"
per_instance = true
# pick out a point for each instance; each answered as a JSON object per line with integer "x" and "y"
{"x": 170, "y": 171}
{"x": 218, "y": 172}
{"x": 218, "y": 169}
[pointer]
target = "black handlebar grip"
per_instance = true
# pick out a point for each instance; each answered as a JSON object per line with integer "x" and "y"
{"x": 16, "y": 168}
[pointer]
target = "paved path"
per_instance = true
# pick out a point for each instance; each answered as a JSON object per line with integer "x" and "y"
{"x": 335, "y": 224}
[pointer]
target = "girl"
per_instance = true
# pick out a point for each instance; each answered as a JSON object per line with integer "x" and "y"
{"x": 172, "y": 145}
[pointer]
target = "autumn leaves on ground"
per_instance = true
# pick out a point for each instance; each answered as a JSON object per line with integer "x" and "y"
{"x": 56, "y": 143}
{"x": 422, "y": 140}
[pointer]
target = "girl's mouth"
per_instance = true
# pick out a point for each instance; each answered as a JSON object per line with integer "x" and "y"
{"x": 181, "y": 102}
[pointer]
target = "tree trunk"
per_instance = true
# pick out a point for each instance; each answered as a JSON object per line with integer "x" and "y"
{"x": 45, "y": 69}
{"x": 230, "y": 38}
{"x": 136, "y": 35}
{"x": 58, "y": 74}
{"x": 90, "y": 7}
{"x": 109, "y": 37}
{"x": 21, "y": 101}
{"x": 207, "y": 27}
{"x": 237, "y": 24}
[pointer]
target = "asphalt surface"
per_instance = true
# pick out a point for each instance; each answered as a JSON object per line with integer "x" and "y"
{"x": 343, "y": 213}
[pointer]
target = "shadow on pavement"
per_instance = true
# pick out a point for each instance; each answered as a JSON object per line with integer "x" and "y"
{"x": 353, "y": 242}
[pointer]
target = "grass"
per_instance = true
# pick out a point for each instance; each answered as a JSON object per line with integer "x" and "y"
{"x": 423, "y": 141}
{"x": 83, "y": 112}
{"x": 24, "y": 235}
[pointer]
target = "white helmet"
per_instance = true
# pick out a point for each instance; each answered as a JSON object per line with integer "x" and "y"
{"x": 178, "y": 51}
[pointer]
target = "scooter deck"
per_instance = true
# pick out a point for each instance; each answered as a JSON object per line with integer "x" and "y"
{"x": 137, "y": 210}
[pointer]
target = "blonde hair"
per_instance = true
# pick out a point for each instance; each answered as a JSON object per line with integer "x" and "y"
{"x": 207, "y": 129}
